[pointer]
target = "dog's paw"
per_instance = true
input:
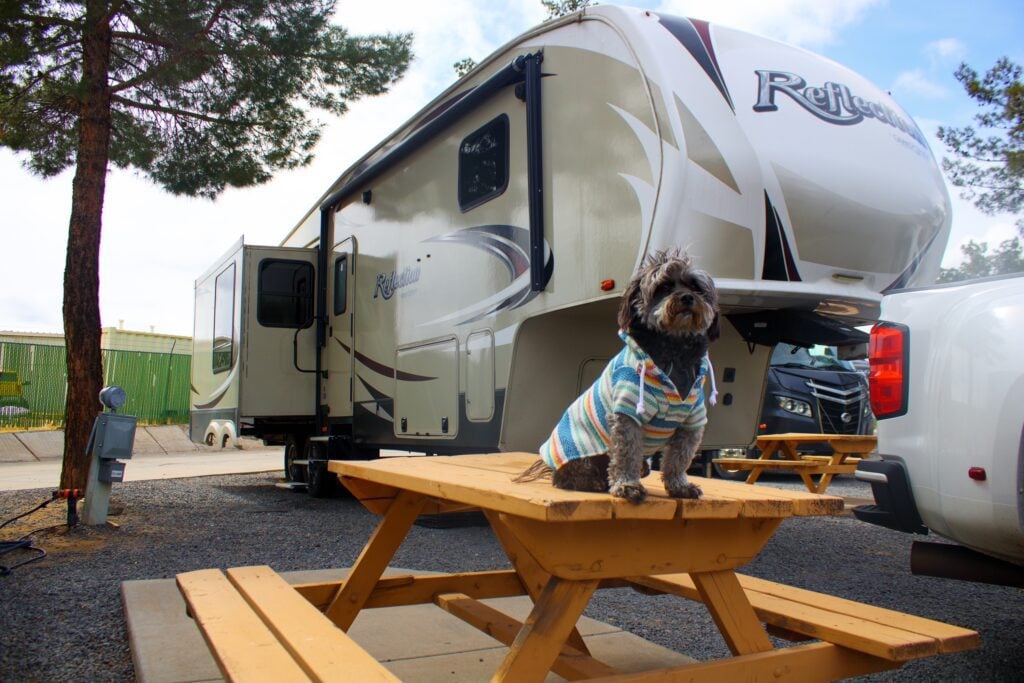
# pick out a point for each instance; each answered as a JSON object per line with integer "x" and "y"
{"x": 633, "y": 491}
{"x": 686, "y": 490}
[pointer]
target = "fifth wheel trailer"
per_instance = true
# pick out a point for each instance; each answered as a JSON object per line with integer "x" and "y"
{"x": 456, "y": 288}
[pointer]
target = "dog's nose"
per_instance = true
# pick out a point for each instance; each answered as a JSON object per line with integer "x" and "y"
{"x": 687, "y": 299}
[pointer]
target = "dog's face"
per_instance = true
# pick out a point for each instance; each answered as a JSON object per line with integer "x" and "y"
{"x": 668, "y": 295}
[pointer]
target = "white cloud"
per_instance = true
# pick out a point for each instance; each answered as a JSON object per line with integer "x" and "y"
{"x": 916, "y": 82}
{"x": 808, "y": 23}
{"x": 945, "y": 51}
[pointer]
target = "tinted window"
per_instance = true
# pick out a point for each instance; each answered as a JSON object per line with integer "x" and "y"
{"x": 285, "y": 297}
{"x": 483, "y": 163}
{"x": 340, "y": 284}
{"x": 224, "y": 320}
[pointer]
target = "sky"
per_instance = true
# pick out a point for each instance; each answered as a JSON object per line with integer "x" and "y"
{"x": 156, "y": 244}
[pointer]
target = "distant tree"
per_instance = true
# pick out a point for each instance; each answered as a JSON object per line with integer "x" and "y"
{"x": 1008, "y": 258}
{"x": 560, "y": 9}
{"x": 989, "y": 163}
{"x": 464, "y": 66}
{"x": 197, "y": 95}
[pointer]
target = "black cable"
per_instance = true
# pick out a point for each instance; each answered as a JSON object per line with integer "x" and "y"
{"x": 26, "y": 514}
{"x": 24, "y": 543}
{"x": 20, "y": 544}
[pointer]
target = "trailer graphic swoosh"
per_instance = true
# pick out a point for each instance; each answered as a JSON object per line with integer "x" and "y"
{"x": 382, "y": 369}
{"x": 510, "y": 244}
{"x": 218, "y": 393}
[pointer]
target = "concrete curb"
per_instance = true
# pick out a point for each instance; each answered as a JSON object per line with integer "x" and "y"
{"x": 149, "y": 440}
{"x": 13, "y": 450}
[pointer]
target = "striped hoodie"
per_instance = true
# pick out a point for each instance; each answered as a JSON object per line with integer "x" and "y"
{"x": 632, "y": 385}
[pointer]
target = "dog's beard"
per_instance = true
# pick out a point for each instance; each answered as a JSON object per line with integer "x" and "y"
{"x": 672, "y": 316}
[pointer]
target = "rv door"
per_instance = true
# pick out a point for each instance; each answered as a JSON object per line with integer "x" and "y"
{"x": 278, "y": 332}
{"x": 339, "y": 354}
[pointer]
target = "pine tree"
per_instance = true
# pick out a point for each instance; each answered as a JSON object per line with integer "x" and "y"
{"x": 197, "y": 95}
{"x": 988, "y": 163}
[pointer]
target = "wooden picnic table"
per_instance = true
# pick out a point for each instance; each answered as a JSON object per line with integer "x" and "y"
{"x": 847, "y": 451}
{"x": 562, "y": 547}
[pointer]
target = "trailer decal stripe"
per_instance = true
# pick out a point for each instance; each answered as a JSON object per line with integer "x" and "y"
{"x": 778, "y": 257}
{"x": 382, "y": 369}
{"x": 695, "y": 36}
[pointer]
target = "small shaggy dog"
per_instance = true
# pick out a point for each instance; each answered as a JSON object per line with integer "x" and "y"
{"x": 650, "y": 397}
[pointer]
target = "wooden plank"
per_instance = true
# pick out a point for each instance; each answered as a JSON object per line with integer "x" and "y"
{"x": 804, "y": 503}
{"x": 724, "y": 597}
{"x": 324, "y": 651}
{"x": 626, "y": 547}
{"x": 829, "y": 458}
{"x": 810, "y": 663}
{"x": 245, "y": 649}
{"x": 374, "y": 559}
{"x": 491, "y": 487}
{"x": 801, "y": 503}
{"x": 748, "y": 463}
{"x": 395, "y": 591}
{"x": 888, "y": 634}
{"x": 543, "y": 636}
{"x": 570, "y": 663}
{"x": 950, "y": 638}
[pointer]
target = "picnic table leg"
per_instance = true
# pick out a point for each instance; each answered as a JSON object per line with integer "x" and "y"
{"x": 540, "y": 641}
{"x": 534, "y": 578}
{"x": 729, "y": 607}
{"x": 789, "y": 450}
{"x": 374, "y": 559}
{"x": 766, "y": 454}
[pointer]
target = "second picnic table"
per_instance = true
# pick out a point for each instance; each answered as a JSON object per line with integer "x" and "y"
{"x": 847, "y": 451}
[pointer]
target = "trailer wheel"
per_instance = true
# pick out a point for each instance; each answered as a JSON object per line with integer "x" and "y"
{"x": 209, "y": 439}
{"x": 293, "y": 448}
{"x": 320, "y": 482}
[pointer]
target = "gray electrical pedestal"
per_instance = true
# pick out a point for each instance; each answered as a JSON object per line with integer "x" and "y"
{"x": 113, "y": 437}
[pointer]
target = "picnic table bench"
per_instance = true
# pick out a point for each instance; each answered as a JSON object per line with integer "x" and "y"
{"x": 562, "y": 547}
{"x": 847, "y": 451}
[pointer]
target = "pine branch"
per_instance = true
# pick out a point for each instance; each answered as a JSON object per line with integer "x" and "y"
{"x": 176, "y": 112}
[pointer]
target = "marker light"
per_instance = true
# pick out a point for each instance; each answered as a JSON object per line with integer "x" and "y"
{"x": 607, "y": 285}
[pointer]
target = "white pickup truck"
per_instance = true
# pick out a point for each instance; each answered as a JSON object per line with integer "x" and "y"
{"x": 947, "y": 387}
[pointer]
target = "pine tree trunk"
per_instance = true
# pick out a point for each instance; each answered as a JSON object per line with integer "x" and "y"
{"x": 81, "y": 272}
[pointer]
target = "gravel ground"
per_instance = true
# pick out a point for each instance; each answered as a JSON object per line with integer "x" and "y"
{"x": 61, "y": 617}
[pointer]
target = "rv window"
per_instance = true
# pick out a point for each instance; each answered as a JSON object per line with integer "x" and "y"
{"x": 340, "y": 284}
{"x": 224, "y": 320}
{"x": 483, "y": 163}
{"x": 285, "y": 295}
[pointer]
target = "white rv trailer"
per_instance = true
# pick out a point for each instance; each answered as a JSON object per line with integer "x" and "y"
{"x": 467, "y": 269}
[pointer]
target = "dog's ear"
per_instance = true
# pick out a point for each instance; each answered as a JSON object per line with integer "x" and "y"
{"x": 715, "y": 329}
{"x": 627, "y": 307}
{"x": 710, "y": 293}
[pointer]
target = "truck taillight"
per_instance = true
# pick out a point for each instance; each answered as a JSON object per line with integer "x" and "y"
{"x": 888, "y": 356}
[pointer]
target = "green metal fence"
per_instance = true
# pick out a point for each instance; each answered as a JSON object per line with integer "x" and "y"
{"x": 33, "y": 385}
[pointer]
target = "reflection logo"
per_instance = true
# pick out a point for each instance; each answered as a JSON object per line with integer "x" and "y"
{"x": 831, "y": 102}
